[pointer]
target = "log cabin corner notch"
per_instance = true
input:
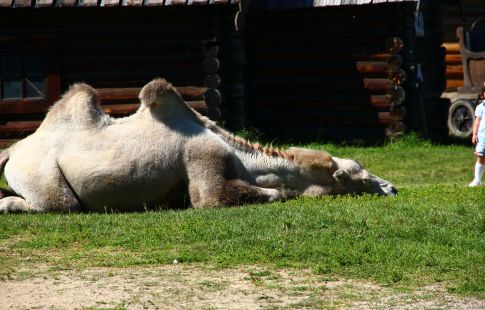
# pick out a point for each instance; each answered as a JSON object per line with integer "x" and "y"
{"x": 332, "y": 65}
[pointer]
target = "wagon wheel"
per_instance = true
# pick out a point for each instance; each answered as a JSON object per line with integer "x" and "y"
{"x": 460, "y": 118}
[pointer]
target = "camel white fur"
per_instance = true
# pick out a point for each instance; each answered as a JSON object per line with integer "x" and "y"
{"x": 80, "y": 160}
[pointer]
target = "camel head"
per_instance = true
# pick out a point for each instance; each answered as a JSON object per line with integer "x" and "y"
{"x": 352, "y": 178}
{"x": 337, "y": 176}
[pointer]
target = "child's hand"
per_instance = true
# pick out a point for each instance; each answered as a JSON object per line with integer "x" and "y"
{"x": 474, "y": 139}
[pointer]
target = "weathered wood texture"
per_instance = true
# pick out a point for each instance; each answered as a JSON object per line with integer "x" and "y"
{"x": 117, "y": 52}
{"x": 326, "y": 67}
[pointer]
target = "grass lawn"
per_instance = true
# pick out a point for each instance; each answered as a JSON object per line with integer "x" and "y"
{"x": 433, "y": 231}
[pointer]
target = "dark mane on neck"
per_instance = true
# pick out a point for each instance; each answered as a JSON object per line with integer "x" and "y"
{"x": 239, "y": 143}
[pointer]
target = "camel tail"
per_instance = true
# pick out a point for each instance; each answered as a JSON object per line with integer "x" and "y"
{"x": 4, "y": 156}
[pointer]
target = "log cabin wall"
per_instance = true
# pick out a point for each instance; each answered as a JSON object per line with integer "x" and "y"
{"x": 350, "y": 71}
{"x": 333, "y": 69}
{"x": 424, "y": 62}
{"x": 116, "y": 50}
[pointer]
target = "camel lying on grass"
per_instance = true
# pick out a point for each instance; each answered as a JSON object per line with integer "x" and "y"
{"x": 81, "y": 159}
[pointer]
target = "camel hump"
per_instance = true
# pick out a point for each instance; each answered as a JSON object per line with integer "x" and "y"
{"x": 163, "y": 100}
{"x": 155, "y": 93}
{"x": 78, "y": 106}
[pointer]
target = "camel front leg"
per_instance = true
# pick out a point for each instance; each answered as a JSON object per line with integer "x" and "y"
{"x": 13, "y": 204}
{"x": 214, "y": 181}
{"x": 227, "y": 193}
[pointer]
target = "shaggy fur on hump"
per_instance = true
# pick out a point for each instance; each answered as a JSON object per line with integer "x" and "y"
{"x": 84, "y": 110}
{"x": 148, "y": 96}
{"x": 239, "y": 143}
{"x": 152, "y": 95}
{"x": 308, "y": 158}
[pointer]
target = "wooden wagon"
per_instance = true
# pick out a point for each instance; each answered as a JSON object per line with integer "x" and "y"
{"x": 464, "y": 101}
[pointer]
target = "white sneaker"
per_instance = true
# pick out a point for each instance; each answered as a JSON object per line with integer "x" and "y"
{"x": 474, "y": 183}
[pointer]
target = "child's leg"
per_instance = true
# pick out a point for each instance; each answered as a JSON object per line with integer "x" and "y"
{"x": 480, "y": 164}
{"x": 479, "y": 167}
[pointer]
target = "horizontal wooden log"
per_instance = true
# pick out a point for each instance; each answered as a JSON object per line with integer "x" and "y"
{"x": 450, "y": 70}
{"x": 127, "y": 109}
{"x": 110, "y": 95}
{"x": 324, "y": 118}
{"x": 377, "y": 84}
{"x": 310, "y": 53}
{"x": 304, "y": 41}
{"x": 312, "y": 24}
{"x": 18, "y": 128}
{"x": 189, "y": 93}
{"x": 13, "y": 129}
{"x": 326, "y": 67}
{"x": 319, "y": 85}
{"x": 453, "y": 48}
{"x": 396, "y": 75}
{"x": 328, "y": 101}
{"x": 104, "y": 64}
{"x": 453, "y": 84}
{"x": 23, "y": 107}
{"x": 372, "y": 66}
{"x": 380, "y": 56}
{"x": 453, "y": 58}
{"x": 121, "y": 45}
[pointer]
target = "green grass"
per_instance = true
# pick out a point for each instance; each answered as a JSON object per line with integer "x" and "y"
{"x": 433, "y": 231}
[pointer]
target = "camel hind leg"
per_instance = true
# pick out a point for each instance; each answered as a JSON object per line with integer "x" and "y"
{"x": 39, "y": 192}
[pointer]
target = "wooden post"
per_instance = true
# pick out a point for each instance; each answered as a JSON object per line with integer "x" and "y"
{"x": 211, "y": 65}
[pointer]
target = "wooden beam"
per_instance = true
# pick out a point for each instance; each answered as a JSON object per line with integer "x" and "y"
{"x": 377, "y": 84}
{"x": 190, "y": 93}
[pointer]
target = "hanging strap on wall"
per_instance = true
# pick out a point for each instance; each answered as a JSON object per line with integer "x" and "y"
{"x": 419, "y": 20}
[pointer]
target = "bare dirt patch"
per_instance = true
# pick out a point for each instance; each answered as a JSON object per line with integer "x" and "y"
{"x": 182, "y": 286}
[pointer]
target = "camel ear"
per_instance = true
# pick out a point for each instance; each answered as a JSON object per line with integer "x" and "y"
{"x": 153, "y": 90}
{"x": 311, "y": 159}
{"x": 341, "y": 176}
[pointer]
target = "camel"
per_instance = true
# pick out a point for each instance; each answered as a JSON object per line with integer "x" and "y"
{"x": 82, "y": 160}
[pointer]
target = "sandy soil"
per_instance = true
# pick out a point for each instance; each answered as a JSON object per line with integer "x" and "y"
{"x": 195, "y": 287}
